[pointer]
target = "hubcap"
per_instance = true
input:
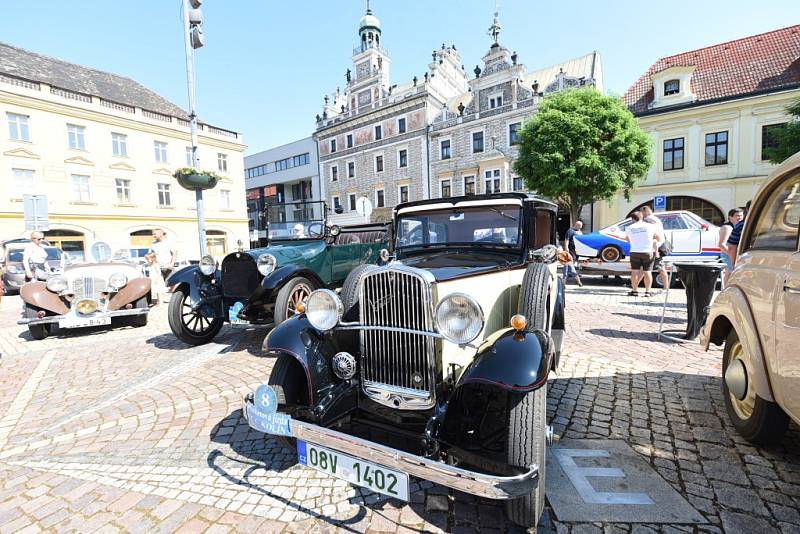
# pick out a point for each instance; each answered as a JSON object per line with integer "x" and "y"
{"x": 192, "y": 320}
{"x": 298, "y": 295}
{"x": 740, "y": 392}
{"x": 610, "y": 255}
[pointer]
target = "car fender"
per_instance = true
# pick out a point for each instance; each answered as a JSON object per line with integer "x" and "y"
{"x": 281, "y": 276}
{"x": 37, "y": 294}
{"x": 191, "y": 278}
{"x": 731, "y": 310}
{"x": 131, "y": 292}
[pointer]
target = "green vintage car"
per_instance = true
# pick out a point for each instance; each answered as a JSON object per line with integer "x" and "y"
{"x": 265, "y": 285}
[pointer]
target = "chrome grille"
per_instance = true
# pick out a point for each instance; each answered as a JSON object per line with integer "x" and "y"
{"x": 398, "y": 368}
{"x": 88, "y": 288}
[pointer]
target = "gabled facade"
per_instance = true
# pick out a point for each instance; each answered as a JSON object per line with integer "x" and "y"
{"x": 710, "y": 113}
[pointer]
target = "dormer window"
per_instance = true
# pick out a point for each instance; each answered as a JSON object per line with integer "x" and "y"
{"x": 495, "y": 101}
{"x": 672, "y": 87}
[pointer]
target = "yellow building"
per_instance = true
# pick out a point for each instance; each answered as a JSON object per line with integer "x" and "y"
{"x": 710, "y": 113}
{"x": 103, "y": 149}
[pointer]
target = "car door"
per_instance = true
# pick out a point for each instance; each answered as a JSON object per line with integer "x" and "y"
{"x": 685, "y": 240}
{"x": 787, "y": 310}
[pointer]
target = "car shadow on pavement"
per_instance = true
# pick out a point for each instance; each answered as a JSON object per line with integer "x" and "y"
{"x": 67, "y": 333}
{"x": 651, "y": 318}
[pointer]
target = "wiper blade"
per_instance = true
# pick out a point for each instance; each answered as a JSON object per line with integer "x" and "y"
{"x": 507, "y": 216}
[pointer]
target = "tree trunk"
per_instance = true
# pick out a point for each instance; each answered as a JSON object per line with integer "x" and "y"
{"x": 575, "y": 213}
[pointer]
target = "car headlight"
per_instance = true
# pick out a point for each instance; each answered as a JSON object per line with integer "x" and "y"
{"x": 57, "y": 284}
{"x": 208, "y": 265}
{"x": 324, "y": 309}
{"x": 13, "y": 269}
{"x": 117, "y": 281}
{"x": 266, "y": 263}
{"x": 459, "y": 318}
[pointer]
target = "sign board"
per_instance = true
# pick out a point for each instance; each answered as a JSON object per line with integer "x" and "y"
{"x": 364, "y": 207}
{"x": 660, "y": 203}
{"x": 35, "y": 209}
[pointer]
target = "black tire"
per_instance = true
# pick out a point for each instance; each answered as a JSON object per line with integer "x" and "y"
{"x": 534, "y": 294}
{"x": 38, "y": 331}
{"x": 349, "y": 292}
{"x": 527, "y": 425}
{"x": 767, "y": 422}
{"x": 190, "y": 327}
{"x": 138, "y": 321}
{"x": 295, "y": 290}
{"x": 289, "y": 382}
{"x": 611, "y": 254}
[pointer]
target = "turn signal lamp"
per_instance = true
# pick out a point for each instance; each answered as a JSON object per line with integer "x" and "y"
{"x": 86, "y": 306}
{"x": 519, "y": 322}
{"x": 300, "y": 308}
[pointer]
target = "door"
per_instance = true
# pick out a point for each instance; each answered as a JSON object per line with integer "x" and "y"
{"x": 685, "y": 239}
{"x": 787, "y": 313}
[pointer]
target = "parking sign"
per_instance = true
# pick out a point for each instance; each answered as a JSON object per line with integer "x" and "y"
{"x": 660, "y": 203}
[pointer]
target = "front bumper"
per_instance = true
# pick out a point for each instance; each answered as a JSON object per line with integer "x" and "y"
{"x": 57, "y": 318}
{"x": 480, "y": 484}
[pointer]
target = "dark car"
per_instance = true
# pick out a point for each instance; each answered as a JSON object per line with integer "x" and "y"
{"x": 266, "y": 285}
{"x": 433, "y": 365}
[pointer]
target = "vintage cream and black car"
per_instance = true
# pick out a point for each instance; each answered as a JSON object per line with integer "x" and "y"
{"x": 433, "y": 365}
{"x": 83, "y": 295}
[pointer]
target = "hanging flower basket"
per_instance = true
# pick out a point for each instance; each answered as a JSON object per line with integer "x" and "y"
{"x": 193, "y": 179}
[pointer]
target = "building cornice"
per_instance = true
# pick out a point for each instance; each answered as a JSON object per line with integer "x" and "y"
{"x": 704, "y": 103}
{"x": 386, "y": 111}
{"x": 54, "y": 217}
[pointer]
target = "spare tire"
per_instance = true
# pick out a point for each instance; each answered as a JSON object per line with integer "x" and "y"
{"x": 349, "y": 293}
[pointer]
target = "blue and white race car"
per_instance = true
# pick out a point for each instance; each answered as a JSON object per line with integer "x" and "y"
{"x": 692, "y": 238}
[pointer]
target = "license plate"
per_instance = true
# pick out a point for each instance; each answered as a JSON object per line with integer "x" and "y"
{"x": 354, "y": 470}
{"x": 83, "y": 322}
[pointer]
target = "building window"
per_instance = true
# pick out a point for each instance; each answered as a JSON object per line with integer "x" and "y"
{"x": 519, "y": 185}
{"x": 495, "y": 101}
{"x": 401, "y": 125}
{"x": 403, "y": 193}
{"x": 378, "y": 163}
{"x": 402, "y": 158}
{"x": 119, "y": 144}
{"x": 164, "y": 196}
{"x": 222, "y": 162}
{"x": 445, "y": 188}
{"x": 349, "y": 140}
{"x": 380, "y": 199}
{"x": 224, "y": 199}
{"x": 123, "y": 190}
{"x": 18, "y": 127}
{"x": 673, "y": 154}
{"x": 469, "y": 185}
{"x": 23, "y": 182}
{"x": 334, "y": 173}
{"x": 513, "y": 139}
{"x": 672, "y": 87}
{"x": 333, "y": 145}
{"x": 769, "y": 139}
{"x": 351, "y": 169}
{"x": 477, "y": 142}
{"x": 716, "y": 148}
{"x": 337, "y": 204}
{"x": 80, "y": 188}
{"x": 445, "y": 148}
{"x": 160, "y": 149}
{"x": 189, "y": 156}
{"x": 491, "y": 181}
{"x": 378, "y": 132}
{"x": 76, "y": 136}
{"x": 352, "y": 202}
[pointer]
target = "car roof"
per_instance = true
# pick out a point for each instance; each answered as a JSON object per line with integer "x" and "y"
{"x": 477, "y": 198}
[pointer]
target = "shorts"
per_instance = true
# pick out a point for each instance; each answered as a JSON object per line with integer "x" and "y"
{"x": 641, "y": 260}
{"x": 724, "y": 258}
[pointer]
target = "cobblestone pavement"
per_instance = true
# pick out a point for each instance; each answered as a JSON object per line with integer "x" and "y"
{"x": 130, "y": 430}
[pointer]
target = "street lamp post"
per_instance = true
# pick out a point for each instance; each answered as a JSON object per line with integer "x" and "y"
{"x": 193, "y": 36}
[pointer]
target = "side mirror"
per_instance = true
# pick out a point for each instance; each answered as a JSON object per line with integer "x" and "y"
{"x": 704, "y": 227}
{"x": 339, "y": 210}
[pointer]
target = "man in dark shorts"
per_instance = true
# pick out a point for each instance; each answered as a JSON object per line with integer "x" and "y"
{"x": 642, "y": 237}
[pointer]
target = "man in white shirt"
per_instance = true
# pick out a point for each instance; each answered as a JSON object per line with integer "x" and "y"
{"x": 34, "y": 256}
{"x": 658, "y": 264}
{"x": 166, "y": 254}
{"x": 642, "y": 237}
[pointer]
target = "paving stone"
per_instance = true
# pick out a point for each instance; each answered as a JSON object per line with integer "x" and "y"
{"x": 735, "y": 523}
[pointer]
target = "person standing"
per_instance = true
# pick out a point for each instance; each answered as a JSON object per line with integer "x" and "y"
{"x": 661, "y": 248}
{"x": 736, "y": 236}
{"x": 156, "y": 280}
{"x": 166, "y": 254}
{"x": 642, "y": 237}
{"x": 569, "y": 246}
{"x": 34, "y": 256}
{"x": 734, "y": 216}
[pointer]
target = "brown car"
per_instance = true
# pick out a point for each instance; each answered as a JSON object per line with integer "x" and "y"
{"x": 757, "y": 316}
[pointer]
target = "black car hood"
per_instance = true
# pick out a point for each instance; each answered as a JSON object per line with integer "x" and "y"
{"x": 450, "y": 264}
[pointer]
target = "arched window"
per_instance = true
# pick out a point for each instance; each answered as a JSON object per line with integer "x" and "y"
{"x": 216, "y": 244}
{"x": 69, "y": 241}
{"x": 672, "y": 87}
{"x": 700, "y": 207}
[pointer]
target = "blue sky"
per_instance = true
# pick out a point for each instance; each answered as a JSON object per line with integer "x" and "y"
{"x": 267, "y": 64}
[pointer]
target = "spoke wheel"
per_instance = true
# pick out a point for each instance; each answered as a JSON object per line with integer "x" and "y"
{"x": 300, "y": 294}
{"x": 295, "y": 291}
{"x": 188, "y": 325}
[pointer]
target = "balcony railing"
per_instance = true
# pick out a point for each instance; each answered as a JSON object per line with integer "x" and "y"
{"x": 117, "y": 106}
{"x": 19, "y": 82}
{"x": 72, "y": 95}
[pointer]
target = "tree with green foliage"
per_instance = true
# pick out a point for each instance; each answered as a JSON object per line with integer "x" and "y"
{"x": 582, "y": 146}
{"x": 786, "y": 138}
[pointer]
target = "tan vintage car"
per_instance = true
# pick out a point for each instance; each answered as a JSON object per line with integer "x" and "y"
{"x": 757, "y": 316}
{"x": 83, "y": 295}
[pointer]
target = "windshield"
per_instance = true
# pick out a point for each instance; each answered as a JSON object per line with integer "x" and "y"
{"x": 52, "y": 254}
{"x": 302, "y": 220}
{"x": 478, "y": 225}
